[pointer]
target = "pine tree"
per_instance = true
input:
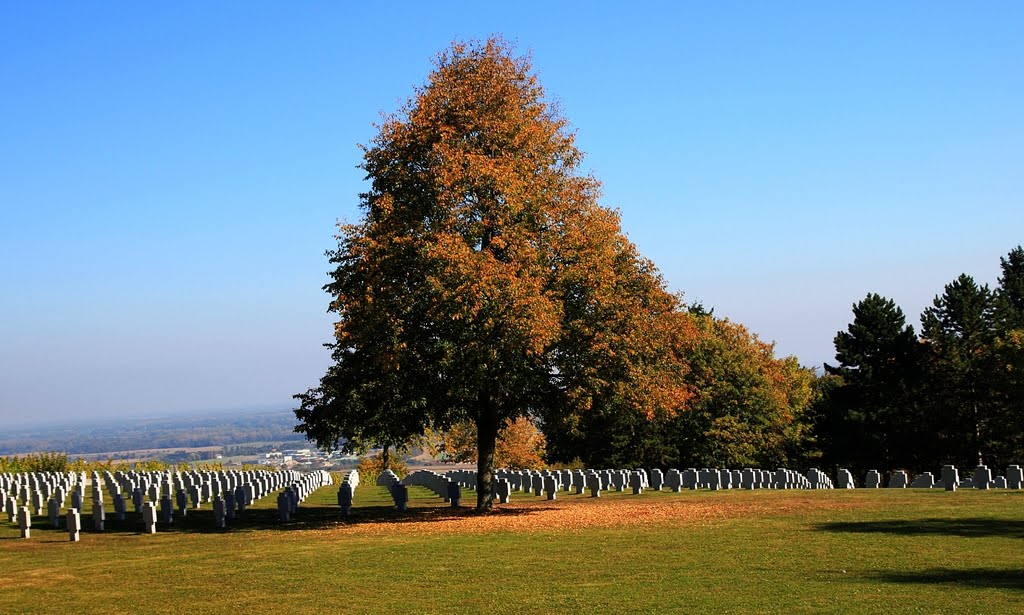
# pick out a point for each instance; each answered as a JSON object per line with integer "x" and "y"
{"x": 960, "y": 333}
{"x": 1009, "y": 357}
{"x": 1009, "y": 304}
{"x": 873, "y": 416}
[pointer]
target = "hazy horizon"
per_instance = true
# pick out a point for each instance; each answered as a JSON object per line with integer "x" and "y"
{"x": 22, "y": 423}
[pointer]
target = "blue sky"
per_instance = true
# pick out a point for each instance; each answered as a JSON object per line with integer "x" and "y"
{"x": 170, "y": 176}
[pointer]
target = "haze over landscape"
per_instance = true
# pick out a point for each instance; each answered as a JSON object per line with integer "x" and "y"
{"x": 170, "y": 177}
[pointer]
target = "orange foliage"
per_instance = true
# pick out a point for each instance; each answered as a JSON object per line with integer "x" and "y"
{"x": 520, "y": 444}
{"x": 485, "y": 280}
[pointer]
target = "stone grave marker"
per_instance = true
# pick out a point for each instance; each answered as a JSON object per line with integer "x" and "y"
{"x": 1014, "y": 477}
{"x": 950, "y": 477}
{"x": 982, "y": 477}
{"x": 636, "y": 483}
{"x": 74, "y": 523}
{"x": 454, "y": 491}
{"x": 924, "y": 480}
{"x": 219, "y": 512}
{"x": 166, "y": 509}
{"x": 120, "y": 509}
{"x": 345, "y": 498}
{"x": 283, "y": 507}
{"x": 229, "y": 504}
{"x": 53, "y": 510}
{"x": 99, "y": 516}
{"x": 674, "y": 480}
{"x": 400, "y": 494}
{"x": 502, "y": 490}
{"x": 25, "y": 522}
{"x": 148, "y": 518}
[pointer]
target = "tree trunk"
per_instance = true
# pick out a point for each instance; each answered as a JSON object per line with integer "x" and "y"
{"x": 385, "y": 458}
{"x": 977, "y": 435}
{"x": 486, "y": 441}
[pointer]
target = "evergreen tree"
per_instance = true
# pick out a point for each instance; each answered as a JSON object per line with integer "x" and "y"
{"x": 871, "y": 417}
{"x": 1009, "y": 304}
{"x": 1009, "y": 358}
{"x": 960, "y": 334}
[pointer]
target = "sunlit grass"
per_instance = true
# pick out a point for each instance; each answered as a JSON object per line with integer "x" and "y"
{"x": 839, "y": 551}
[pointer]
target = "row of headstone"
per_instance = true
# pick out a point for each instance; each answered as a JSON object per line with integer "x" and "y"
{"x": 447, "y": 489}
{"x": 550, "y": 482}
{"x": 949, "y": 479}
{"x": 293, "y": 494}
{"x": 531, "y": 481}
{"x": 25, "y": 523}
{"x": 34, "y": 489}
{"x": 538, "y": 482}
{"x": 230, "y": 492}
{"x": 347, "y": 491}
{"x": 199, "y": 487}
{"x": 399, "y": 491}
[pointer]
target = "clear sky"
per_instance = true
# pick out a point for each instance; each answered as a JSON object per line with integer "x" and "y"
{"x": 170, "y": 175}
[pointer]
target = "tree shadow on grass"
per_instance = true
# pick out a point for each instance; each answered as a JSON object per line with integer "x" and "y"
{"x": 977, "y": 578}
{"x": 314, "y": 517}
{"x": 976, "y": 527}
{"x": 321, "y": 517}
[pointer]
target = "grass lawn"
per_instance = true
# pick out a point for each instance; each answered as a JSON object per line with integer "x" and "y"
{"x": 912, "y": 551}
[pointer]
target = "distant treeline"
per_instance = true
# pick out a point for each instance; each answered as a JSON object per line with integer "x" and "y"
{"x": 894, "y": 399}
{"x": 953, "y": 393}
{"x": 58, "y": 462}
{"x": 128, "y": 435}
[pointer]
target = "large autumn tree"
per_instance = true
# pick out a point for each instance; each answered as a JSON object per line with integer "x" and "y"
{"x": 484, "y": 282}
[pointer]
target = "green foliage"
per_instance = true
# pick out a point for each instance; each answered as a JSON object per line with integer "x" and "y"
{"x": 863, "y": 551}
{"x": 35, "y": 462}
{"x": 484, "y": 282}
{"x": 575, "y": 464}
{"x": 1008, "y": 357}
{"x": 371, "y": 466}
{"x": 747, "y": 408}
{"x": 750, "y": 407}
{"x": 110, "y": 465}
{"x": 1009, "y": 296}
{"x": 869, "y": 417}
{"x": 59, "y": 462}
{"x": 953, "y": 395}
{"x": 959, "y": 331}
{"x": 152, "y": 465}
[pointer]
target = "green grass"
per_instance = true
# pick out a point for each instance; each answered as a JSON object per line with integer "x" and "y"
{"x": 901, "y": 551}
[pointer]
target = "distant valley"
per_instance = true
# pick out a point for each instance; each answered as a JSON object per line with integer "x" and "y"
{"x": 181, "y": 432}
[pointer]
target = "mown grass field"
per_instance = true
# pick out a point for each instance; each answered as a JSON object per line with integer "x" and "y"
{"x": 881, "y": 551}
